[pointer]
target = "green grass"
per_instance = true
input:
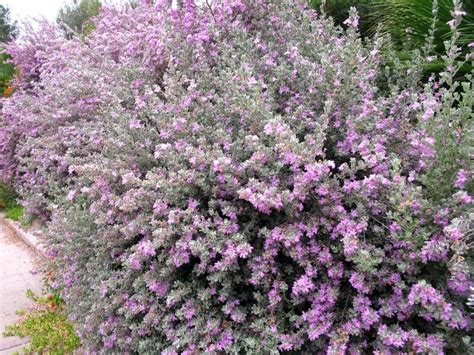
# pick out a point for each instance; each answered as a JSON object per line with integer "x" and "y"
{"x": 47, "y": 327}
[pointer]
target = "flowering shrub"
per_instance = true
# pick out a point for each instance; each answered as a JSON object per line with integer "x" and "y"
{"x": 245, "y": 177}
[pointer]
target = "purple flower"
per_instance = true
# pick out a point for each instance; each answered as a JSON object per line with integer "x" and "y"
{"x": 461, "y": 179}
{"x": 160, "y": 288}
{"x": 302, "y": 286}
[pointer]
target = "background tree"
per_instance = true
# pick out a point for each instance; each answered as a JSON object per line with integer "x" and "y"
{"x": 8, "y": 28}
{"x": 8, "y": 31}
{"x": 75, "y": 16}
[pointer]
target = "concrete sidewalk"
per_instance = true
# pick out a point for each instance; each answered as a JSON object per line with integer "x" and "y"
{"x": 18, "y": 263}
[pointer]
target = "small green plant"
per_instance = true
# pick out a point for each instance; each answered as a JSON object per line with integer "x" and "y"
{"x": 46, "y": 325}
{"x": 15, "y": 212}
{"x": 7, "y": 196}
{"x": 9, "y": 204}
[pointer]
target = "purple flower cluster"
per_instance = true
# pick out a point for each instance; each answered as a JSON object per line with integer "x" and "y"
{"x": 242, "y": 177}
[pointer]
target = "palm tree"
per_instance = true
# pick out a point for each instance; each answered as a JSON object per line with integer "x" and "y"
{"x": 408, "y": 23}
{"x": 395, "y": 17}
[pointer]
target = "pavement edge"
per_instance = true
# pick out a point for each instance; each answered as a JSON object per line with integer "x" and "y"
{"x": 31, "y": 241}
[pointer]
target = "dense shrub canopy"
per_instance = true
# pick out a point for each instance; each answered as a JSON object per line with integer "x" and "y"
{"x": 243, "y": 176}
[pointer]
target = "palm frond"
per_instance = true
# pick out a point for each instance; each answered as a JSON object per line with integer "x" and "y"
{"x": 408, "y": 21}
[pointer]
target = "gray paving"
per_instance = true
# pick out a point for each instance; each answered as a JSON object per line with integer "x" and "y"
{"x": 18, "y": 263}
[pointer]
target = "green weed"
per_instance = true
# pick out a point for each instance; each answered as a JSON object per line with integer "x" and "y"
{"x": 46, "y": 325}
